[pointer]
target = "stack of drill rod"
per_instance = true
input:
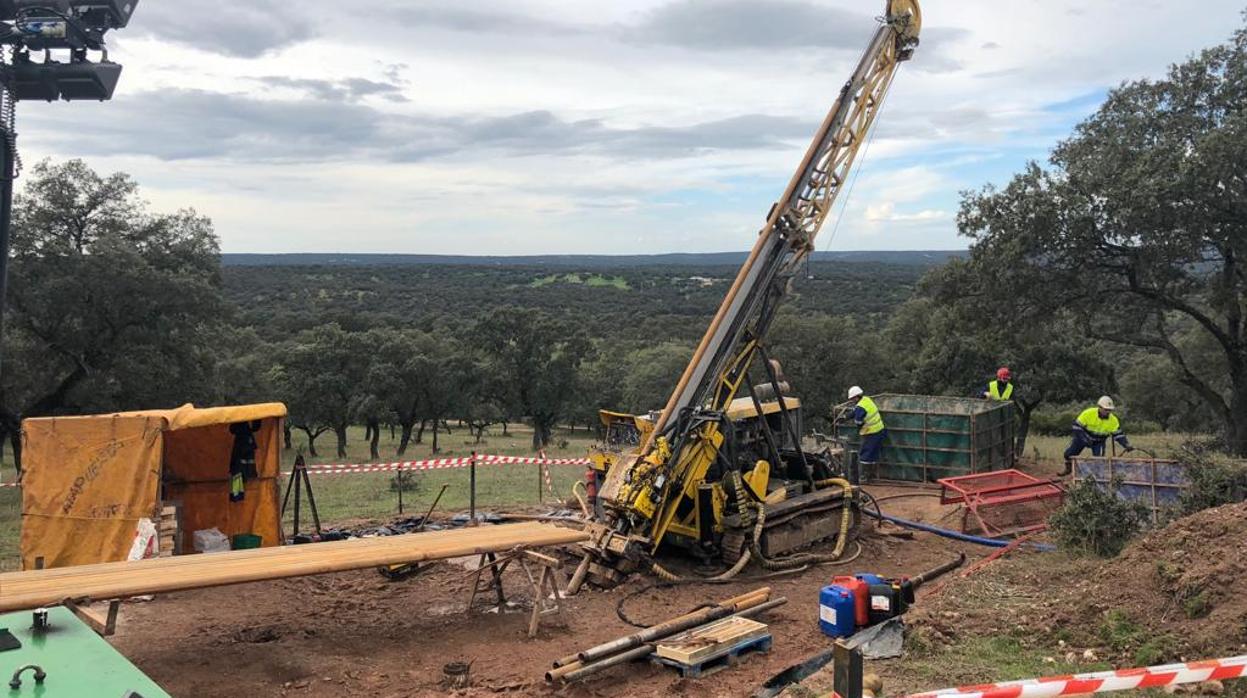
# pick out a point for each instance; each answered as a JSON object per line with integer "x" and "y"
{"x": 640, "y": 644}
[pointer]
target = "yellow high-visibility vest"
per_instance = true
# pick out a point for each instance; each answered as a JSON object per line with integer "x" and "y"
{"x": 1099, "y": 428}
{"x": 993, "y": 391}
{"x": 873, "y": 423}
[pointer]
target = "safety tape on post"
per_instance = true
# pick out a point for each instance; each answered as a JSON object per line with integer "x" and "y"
{"x": 1103, "y": 681}
{"x": 545, "y": 471}
{"x": 10, "y": 484}
{"x": 436, "y": 464}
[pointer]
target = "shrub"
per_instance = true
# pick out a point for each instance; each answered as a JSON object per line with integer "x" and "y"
{"x": 1095, "y": 521}
{"x": 405, "y": 481}
{"x": 1213, "y": 483}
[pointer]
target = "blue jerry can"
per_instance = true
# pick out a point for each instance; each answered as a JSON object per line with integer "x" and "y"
{"x": 836, "y": 611}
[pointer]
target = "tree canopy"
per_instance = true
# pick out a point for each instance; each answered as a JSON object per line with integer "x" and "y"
{"x": 1137, "y": 229}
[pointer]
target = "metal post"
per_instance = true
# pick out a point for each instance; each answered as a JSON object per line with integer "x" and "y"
{"x": 541, "y": 496}
{"x": 298, "y": 487}
{"x": 472, "y": 490}
{"x": 847, "y": 678}
{"x": 399, "y": 478}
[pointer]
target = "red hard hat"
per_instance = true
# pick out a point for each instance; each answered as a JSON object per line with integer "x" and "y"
{"x": 1004, "y": 374}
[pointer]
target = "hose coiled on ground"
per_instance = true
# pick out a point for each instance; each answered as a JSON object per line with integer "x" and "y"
{"x": 758, "y": 510}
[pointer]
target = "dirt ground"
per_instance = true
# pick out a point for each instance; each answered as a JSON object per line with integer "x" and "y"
{"x": 357, "y": 634}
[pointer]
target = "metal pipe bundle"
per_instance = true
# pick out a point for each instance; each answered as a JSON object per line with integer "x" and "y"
{"x": 640, "y": 644}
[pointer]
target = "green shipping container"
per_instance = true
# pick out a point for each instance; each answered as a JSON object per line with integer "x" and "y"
{"x": 932, "y": 437}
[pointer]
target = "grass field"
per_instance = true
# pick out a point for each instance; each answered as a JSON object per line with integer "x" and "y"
{"x": 1048, "y": 450}
{"x": 371, "y": 495}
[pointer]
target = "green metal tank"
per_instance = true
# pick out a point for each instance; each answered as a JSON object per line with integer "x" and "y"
{"x": 932, "y": 437}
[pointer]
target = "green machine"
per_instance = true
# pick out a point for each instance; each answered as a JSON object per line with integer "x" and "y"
{"x": 65, "y": 659}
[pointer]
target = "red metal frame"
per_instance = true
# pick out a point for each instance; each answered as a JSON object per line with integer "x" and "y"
{"x": 1001, "y": 491}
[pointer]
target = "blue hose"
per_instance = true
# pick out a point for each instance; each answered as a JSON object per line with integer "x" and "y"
{"x": 993, "y": 542}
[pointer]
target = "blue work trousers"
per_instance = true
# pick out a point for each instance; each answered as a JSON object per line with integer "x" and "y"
{"x": 1081, "y": 441}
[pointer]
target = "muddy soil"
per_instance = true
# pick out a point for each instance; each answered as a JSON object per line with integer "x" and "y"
{"x": 357, "y": 634}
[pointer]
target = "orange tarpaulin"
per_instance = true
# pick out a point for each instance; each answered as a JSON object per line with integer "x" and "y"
{"x": 87, "y": 481}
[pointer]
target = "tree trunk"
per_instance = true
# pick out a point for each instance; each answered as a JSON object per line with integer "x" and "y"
{"x": 446, "y": 426}
{"x": 285, "y": 435}
{"x": 420, "y": 431}
{"x": 340, "y": 432}
{"x": 392, "y": 431}
{"x": 374, "y": 449}
{"x": 311, "y": 441}
{"x": 504, "y": 428}
{"x": 435, "y": 447}
{"x": 15, "y": 445}
{"x": 368, "y": 431}
{"x": 541, "y": 432}
{"x": 1236, "y": 425}
{"x": 406, "y": 437}
{"x": 1024, "y": 427}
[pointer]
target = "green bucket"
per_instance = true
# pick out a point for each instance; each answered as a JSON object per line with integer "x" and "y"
{"x": 245, "y": 541}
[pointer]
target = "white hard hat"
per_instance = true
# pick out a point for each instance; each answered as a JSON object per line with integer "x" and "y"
{"x": 855, "y": 391}
{"x": 1105, "y": 403}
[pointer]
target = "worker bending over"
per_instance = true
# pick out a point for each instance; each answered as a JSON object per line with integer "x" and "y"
{"x": 1001, "y": 389}
{"x": 866, "y": 416}
{"x": 1094, "y": 427}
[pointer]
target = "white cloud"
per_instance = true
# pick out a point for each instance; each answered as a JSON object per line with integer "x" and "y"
{"x": 886, "y": 213}
{"x": 557, "y": 126}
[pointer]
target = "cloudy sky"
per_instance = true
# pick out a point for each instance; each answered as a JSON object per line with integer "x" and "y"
{"x": 560, "y": 126}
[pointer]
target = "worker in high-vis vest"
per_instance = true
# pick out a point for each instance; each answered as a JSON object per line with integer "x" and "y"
{"x": 870, "y": 425}
{"x": 1001, "y": 389}
{"x": 1093, "y": 427}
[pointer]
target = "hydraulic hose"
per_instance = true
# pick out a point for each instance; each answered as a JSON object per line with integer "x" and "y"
{"x": 759, "y": 510}
{"x": 947, "y": 533}
{"x": 583, "y": 499}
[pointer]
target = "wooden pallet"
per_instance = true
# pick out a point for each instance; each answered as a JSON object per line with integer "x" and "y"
{"x": 725, "y": 658}
{"x": 707, "y": 641}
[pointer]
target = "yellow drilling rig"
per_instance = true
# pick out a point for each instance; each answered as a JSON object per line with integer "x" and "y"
{"x": 721, "y": 470}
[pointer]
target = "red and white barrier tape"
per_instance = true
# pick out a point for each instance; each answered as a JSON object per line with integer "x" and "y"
{"x": 10, "y": 484}
{"x": 1103, "y": 681}
{"x": 545, "y": 473}
{"x": 436, "y": 464}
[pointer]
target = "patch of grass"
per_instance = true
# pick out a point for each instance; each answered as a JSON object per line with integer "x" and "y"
{"x": 983, "y": 659}
{"x": 595, "y": 280}
{"x": 1168, "y": 573}
{"x": 1197, "y": 605}
{"x": 10, "y": 527}
{"x": 1048, "y": 450}
{"x": 1120, "y": 632}
{"x": 608, "y": 281}
{"x": 369, "y": 496}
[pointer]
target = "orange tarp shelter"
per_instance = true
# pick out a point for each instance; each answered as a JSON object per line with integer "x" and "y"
{"x": 88, "y": 480}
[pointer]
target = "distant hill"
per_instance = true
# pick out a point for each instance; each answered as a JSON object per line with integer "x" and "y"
{"x": 916, "y": 258}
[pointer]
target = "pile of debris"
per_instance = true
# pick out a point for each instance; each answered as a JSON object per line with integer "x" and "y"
{"x": 1173, "y": 593}
{"x": 1179, "y": 584}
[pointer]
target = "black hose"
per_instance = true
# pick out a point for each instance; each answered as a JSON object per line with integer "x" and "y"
{"x": 664, "y": 583}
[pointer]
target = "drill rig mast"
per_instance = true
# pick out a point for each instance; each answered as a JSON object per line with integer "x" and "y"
{"x": 686, "y": 478}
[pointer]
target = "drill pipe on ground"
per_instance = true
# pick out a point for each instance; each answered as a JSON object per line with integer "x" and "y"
{"x": 739, "y": 602}
{"x": 577, "y": 670}
{"x": 675, "y": 625}
{"x": 919, "y": 580}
